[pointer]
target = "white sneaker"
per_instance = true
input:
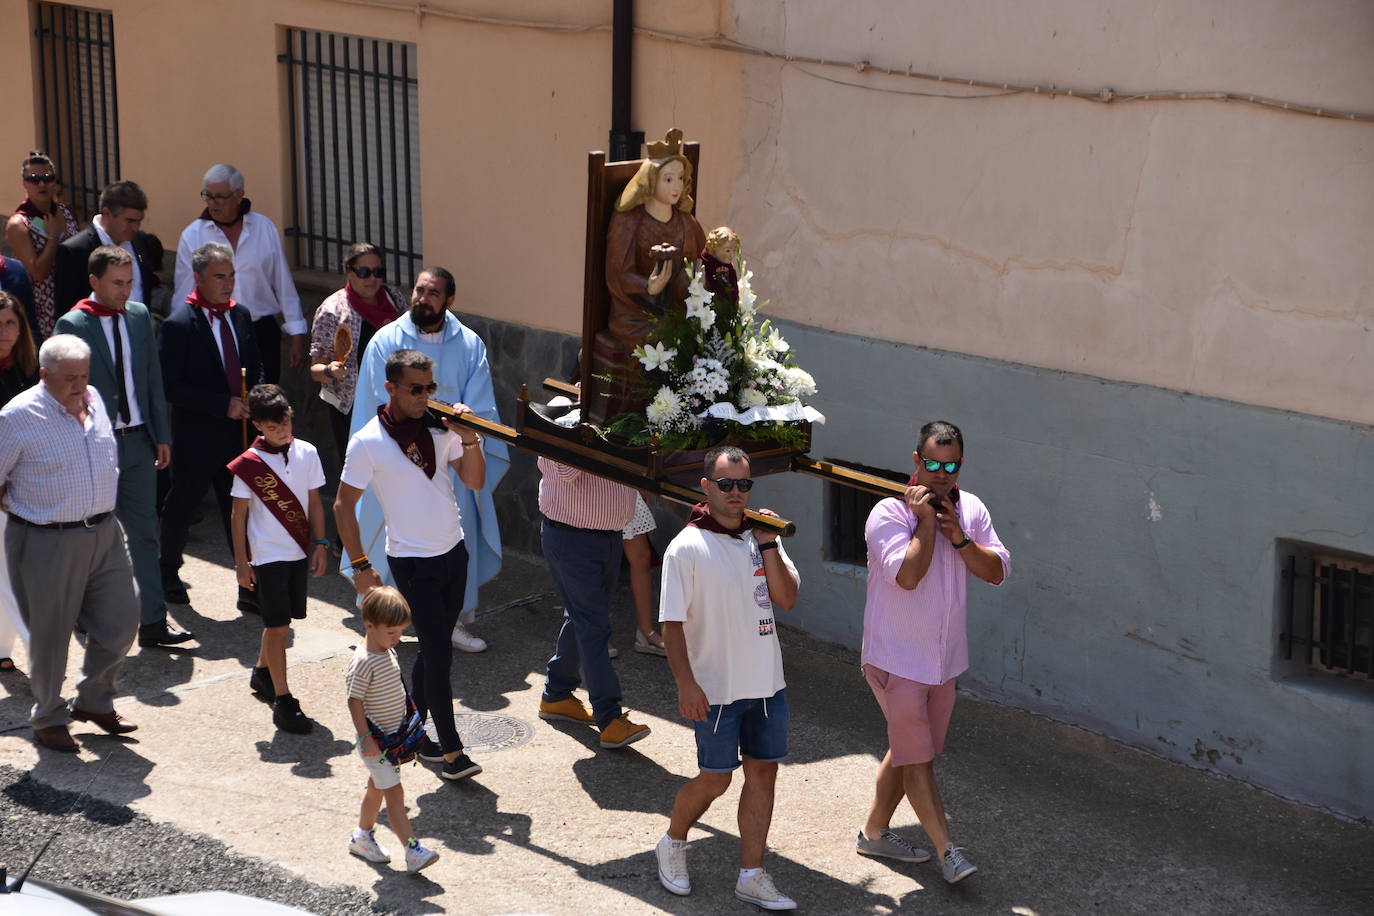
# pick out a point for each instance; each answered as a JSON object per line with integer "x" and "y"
{"x": 464, "y": 640}
{"x": 759, "y": 891}
{"x": 364, "y": 845}
{"x": 672, "y": 866}
{"x": 418, "y": 857}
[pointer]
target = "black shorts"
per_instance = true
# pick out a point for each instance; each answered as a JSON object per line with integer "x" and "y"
{"x": 281, "y": 591}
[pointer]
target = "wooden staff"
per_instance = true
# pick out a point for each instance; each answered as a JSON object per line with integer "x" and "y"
{"x": 243, "y": 394}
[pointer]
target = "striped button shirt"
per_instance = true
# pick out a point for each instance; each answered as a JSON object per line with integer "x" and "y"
{"x": 921, "y": 634}
{"x": 375, "y": 678}
{"x": 53, "y": 467}
{"x": 583, "y": 500}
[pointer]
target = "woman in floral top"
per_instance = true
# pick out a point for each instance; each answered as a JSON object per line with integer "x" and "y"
{"x": 38, "y": 226}
{"x": 365, "y": 304}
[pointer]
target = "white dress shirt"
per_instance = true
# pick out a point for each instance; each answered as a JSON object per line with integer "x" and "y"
{"x": 137, "y": 294}
{"x": 262, "y": 282}
{"x": 130, "y": 389}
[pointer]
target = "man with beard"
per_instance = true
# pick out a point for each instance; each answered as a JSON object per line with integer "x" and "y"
{"x": 922, "y": 549}
{"x": 463, "y": 376}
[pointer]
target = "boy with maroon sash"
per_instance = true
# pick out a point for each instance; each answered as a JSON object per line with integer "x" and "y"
{"x": 278, "y": 521}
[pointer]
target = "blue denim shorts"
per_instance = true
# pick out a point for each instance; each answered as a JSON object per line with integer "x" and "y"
{"x": 751, "y": 728}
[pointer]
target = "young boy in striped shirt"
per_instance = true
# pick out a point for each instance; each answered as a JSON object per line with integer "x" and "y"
{"x": 377, "y": 694}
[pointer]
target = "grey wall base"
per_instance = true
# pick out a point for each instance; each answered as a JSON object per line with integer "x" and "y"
{"x": 1142, "y": 525}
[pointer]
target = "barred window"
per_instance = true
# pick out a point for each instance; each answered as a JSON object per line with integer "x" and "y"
{"x": 1327, "y": 609}
{"x": 848, "y": 510}
{"x": 355, "y": 149}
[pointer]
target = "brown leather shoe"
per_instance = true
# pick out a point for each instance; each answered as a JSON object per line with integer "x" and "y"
{"x": 56, "y": 738}
{"x": 112, "y": 722}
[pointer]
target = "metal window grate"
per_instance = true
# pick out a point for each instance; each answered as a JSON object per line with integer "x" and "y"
{"x": 849, "y": 509}
{"x": 355, "y": 149}
{"x": 1328, "y": 613}
{"x": 77, "y": 99}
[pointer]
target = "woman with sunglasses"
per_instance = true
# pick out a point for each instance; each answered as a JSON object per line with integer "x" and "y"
{"x": 18, "y": 371}
{"x": 364, "y": 304}
{"x": 38, "y": 226}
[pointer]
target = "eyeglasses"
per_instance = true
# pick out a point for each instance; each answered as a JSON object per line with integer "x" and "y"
{"x": 951, "y": 467}
{"x": 416, "y": 390}
{"x": 726, "y": 484}
{"x": 46, "y": 178}
{"x": 207, "y": 196}
{"x": 364, "y": 272}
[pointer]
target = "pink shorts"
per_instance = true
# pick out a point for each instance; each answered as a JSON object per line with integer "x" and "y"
{"x": 917, "y": 714}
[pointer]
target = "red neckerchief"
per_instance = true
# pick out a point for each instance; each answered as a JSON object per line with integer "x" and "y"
{"x": 196, "y": 300}
{"x": 97, "y": 309}
{"x": 377, "y": 313}
{"x": 263, "y": 445}
{"x": 275, "y": 495}
{"x": 30, "y": 209}
{"x": 413, "y": 437}
{"x": 702, "y": 518}
{"x": 7, "y": 362}
{"x": 244, "y": 206}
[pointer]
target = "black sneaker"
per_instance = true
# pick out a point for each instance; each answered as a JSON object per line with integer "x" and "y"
{"x": 429, "y": 751}
{"x": 260, "y": 682}
{"x": 287, "y": 715}
{"x": 460, "y": 767}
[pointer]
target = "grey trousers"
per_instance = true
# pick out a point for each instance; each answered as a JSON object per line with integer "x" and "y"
{"x": 62, "y": 578}
{"x": 136, "y": 507}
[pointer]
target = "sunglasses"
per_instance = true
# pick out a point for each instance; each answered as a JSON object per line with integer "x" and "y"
{"x": 364, "y": 273}
{"x": 207, "y": 196}
{"x": 47, "y": 178}
{"x": 416, "y": 390}
{"x": 726, "y": 484}
{"x": 951, "y": 467}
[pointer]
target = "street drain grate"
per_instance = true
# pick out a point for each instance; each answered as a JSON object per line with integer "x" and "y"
{"x": 485, "y": 732}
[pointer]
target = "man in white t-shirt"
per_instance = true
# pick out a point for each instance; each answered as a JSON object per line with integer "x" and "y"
{"x": 402, "y": 458}
{"x": 721, "y": 582}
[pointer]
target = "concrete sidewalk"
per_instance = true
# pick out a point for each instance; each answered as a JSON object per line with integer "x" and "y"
{"x": 1059, "y": 820}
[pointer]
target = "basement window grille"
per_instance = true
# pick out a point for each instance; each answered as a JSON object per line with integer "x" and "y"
{"x": 848, "y": 511}
{"x": 1327, "y": 607}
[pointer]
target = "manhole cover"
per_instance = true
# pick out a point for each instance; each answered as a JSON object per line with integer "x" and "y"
{"x": 484, "y": 732}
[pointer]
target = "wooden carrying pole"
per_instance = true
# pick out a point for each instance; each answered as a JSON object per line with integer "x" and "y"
{"x": 243, "y": 393}
{"x": 582, "y": 462}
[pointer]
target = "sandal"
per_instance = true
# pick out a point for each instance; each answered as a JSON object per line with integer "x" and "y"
{"x": 650, "y": 644}
{"x": 6, "y": 664}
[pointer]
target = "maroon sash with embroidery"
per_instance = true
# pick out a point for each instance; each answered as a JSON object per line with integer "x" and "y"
{"x": 277, "y": 496}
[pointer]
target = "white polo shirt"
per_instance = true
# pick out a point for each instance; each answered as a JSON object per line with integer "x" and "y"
{"x": 421, "y": 513}
{"x": 268, "y": 538}
{"x": 715, "y": 585}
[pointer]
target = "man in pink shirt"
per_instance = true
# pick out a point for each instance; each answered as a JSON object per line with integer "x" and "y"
{"x": 921, "y": 550}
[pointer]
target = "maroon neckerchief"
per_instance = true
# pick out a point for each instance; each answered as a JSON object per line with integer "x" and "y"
{"x": 7, "y": 362}
{"x": 413, "y": 437}
{"x": 702, "y": 518}
{"x": 953, "y": 491}
{"x": 377, "y": 313}
{"x": 30, "y": 209}
{"x": 196, "y": 300}
{"x": 97, "y": 309}
{"x": 721, "y": 280}
{"x": 244, "y": 206}
{"x": 275, "y": 495}
{"x": 263, "y": 445}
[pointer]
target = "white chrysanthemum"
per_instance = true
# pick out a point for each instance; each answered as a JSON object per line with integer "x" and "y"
{"x": 655, "y": 356}
{"x": 752, "y": 397}
{"x": 797, "y": 382}
{"x": 663, "y": 407}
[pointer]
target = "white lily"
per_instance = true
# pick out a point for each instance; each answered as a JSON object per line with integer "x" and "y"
{"x": 776, "y": 343}
{"x": 655, "y": 357}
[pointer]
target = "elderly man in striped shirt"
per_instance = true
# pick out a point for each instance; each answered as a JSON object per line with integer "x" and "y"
{"x": 59, "y": 477}
{"x": 921, "y": 550}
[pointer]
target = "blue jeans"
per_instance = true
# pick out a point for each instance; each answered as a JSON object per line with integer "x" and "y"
{"x": 585, "y": 565}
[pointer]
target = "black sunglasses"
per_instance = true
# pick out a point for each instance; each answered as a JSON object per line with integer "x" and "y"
{"x": 365, "y": 272}
{"x": 951, "y": 467}
{"x": 726, "y": 484}
{"x": 422, "y": 389}
{"x": 47, "y": 178}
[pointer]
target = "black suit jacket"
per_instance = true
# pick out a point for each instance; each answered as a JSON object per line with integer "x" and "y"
{"x": 71, "y": 275}
{"x": 193, "y": 371}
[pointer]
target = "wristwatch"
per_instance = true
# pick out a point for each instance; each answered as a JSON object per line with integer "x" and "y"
{"x": 962, "y": 544}
{"x": 769, "y": 545}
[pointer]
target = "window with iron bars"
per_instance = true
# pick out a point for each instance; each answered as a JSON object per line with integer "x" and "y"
{"x": 355, "y": 149}
{"x": 1326, "y": 603}
{"x": 77, "y": 102}
{"x": 848, "y": 510}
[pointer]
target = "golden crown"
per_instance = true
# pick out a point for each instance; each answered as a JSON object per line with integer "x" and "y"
{"x": 670, "y": 145}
